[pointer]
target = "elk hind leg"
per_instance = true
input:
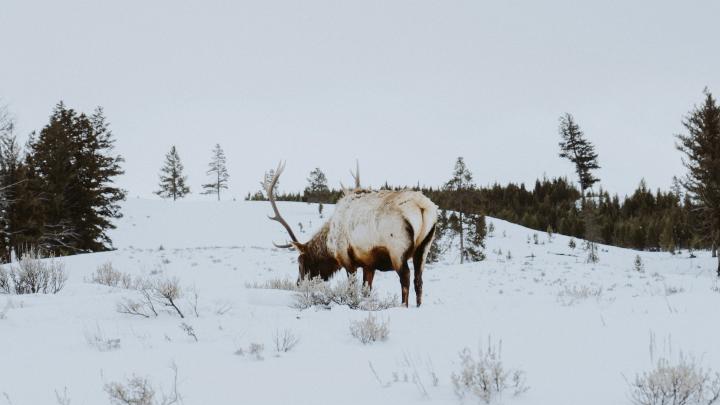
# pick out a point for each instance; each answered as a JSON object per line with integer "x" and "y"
{"x": 404, "y": 274}
{"x": 419, "y": 258}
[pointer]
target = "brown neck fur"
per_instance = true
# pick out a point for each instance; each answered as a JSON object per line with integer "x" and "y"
{"x": 320, "y": 260}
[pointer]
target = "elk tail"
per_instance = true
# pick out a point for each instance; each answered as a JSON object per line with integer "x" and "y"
{"x": 428, "y": 212}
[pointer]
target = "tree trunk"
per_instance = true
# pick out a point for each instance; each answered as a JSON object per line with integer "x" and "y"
{"x": 718, "y": 269}
{"x": 714, "y": 248}
{"x": 462, "y": 239}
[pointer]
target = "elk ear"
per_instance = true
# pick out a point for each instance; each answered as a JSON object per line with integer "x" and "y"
{"x": 301, "y": 247}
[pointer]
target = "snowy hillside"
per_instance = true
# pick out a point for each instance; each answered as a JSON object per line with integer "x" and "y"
{"x": 577, "y": 330}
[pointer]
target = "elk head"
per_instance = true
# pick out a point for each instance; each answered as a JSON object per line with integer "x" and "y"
{"x": 314, "y": 259}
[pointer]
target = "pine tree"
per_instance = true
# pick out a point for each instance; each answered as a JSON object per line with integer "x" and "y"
{"x": 473, "y": 245}
{"x": 439, "y": 245}
{"x": 460, "y": 187}
{"x": 218, "y": 171}
{"x": 19, "y": 203}
{"x": 11, "y": 179}
{"x": 317, "y": 190}
{"x": 575, "y": 147}
{"x": 701, "y": 146}
{"x": 172, "y": 179}
{"x": 71, "y": 167}
{"x": 98, "y": 166}
{"x": 667, "y": 238}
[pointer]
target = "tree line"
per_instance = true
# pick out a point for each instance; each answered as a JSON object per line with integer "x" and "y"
{"x": 686, "y": 217}
{"x": 57, "y": 191}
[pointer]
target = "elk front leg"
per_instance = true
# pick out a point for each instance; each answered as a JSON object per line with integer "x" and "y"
{"x": 404, "y": 274}
{"x": 368, "y": 275}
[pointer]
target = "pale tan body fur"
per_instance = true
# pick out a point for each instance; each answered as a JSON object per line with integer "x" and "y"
{"x": 364, "y": 222}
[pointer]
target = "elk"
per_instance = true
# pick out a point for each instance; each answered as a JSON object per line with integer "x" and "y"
{"x": 372, "y": 230}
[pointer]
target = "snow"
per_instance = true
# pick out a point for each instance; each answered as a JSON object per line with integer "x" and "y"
{"x": 572, "y": 349}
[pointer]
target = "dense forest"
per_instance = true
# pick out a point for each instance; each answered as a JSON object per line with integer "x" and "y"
{"x": 645, "y": 220}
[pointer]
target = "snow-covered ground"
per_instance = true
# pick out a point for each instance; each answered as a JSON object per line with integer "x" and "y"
{"x": 577, "y": 330}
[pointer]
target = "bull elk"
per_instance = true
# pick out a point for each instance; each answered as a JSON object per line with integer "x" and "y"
{"x": 372, "y": 230}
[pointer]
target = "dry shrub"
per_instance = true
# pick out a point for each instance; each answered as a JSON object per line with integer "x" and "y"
{"x": 348, "y": 292}
{"x": 285, "y": 340}
{"x": 152, "y": 293}
{"x": 33, "y": 275}
{"x": 369, "y": 330}
{"x": 682, "y": 383}
{"x": 486, "y": 377}
{"x": 107, "y": 275}
{"x": 139, "y": 391}
{"x": 254, "y": 350}
{"x": 275, "y": 284}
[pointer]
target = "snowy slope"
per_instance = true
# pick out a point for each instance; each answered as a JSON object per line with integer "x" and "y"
{"x": 573, "y": 349}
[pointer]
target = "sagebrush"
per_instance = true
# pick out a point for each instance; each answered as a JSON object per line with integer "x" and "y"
{"x": 33, "y": 275}
{"x": 486, "y": 377}
{"x": 683, "y": 382}
{"x": 348, "y": 292}
{"x": 153, "y": 294}
{"x": 107, "y": 275}
{"x": 369, "y": 330}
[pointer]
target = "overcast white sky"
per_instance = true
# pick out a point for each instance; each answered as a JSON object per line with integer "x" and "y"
{"x": 404, "y": 86}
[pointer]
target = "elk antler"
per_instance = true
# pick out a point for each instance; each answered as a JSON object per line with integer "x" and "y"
{"x": 269, "y": 189}
{"x": 356, "y": 175}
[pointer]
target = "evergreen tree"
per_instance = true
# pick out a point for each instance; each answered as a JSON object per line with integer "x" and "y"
{"x": 219, "y": 173}
{"x": 667, "y": 236}
{"x": 317, "y": 190}
{"x": 71, "y": 167}
{"x": 440, "y": 243}
{"x": 10, "y": 181}
{"x": 172, "y": 179}
{"x": 461, "y": 186}
{"x": 98, "y": 166}
{"x": 575, "y": 147}
{"x": 701, "y": 146}
{"x": 17, "y": 200}
{"x": 473, "y": 245}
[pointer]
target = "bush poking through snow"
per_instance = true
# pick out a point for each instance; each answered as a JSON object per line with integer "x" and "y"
{"x": 5, "y": 286}
{"x": 571, "y": 295}
{"x": 592, "y": 252}
{"x": 369, "y": 330}
{"x": 285, "y": 340}
{"x": 255, "y": 350}
{"x": 161, "y": 292}
{"x": 638, "y": 264}
{"x": 312, "y": 292}
{"x": 684, "y": 383}
{"x": 349, "y": 292}
{"x": 275, "y": 284}
{"x": 139, "y": 391}
{"x": 33, "y": 275}
{"x": 101, "y": 342}
{"x": 107, "y": 275}
{"x": 167, "y": 291}
{"x": 486, "y": 376}
{"x": 189, "y": 330}
{"x": 672, "y": 290}
{"x": 64, "y": 398}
